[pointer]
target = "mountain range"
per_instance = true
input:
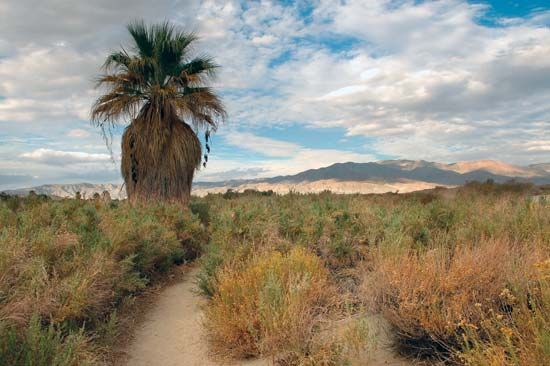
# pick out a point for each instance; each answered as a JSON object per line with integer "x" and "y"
{"x": 374, "y": 177}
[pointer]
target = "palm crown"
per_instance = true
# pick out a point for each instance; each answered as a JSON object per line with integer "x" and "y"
{"x": 159, "y": 76}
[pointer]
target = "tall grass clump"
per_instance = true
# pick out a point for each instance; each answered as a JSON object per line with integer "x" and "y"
{"x": 43, "y": 346}
{"x": 272, "y": 307}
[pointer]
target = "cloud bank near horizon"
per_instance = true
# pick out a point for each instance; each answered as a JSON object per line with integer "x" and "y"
{"x": 306, "y": 84}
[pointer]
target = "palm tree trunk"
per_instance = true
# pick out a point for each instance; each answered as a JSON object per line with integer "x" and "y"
{"x": 158, "y": 162}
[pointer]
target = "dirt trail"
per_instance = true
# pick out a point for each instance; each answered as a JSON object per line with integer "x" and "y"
{"x": 172, "y": 335}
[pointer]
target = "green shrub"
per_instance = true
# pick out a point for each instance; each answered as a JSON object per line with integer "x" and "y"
{"x": 40, "y": 345}
{"x": 202, "y": 210}
{"x": 209, "y": 264}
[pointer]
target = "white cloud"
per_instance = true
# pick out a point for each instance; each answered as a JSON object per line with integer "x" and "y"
{"x": 56, "y": 157}
{"x": 78, "y": 133}
{"x": 82, "y": 24}
{"x": 312, "y": 159}
{"x": 427, "y": 73}
{"x": 303, "y": 159}
{"x": 46, "y": 83}
{"x": 538, "y": 145}
{"x": 262, "y": 145}
{"x": 280, "y": 158}
{"x": 213, "y": 175}
{"x": 264, "y": 40}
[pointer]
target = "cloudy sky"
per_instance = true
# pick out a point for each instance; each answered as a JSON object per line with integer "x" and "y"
{"x": 306, "y": 83}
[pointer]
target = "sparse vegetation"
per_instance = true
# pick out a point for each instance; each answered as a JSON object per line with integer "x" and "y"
{"x": 461, "y": 276}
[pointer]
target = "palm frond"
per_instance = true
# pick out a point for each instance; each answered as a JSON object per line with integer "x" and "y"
{"x": 143, "y": 40}
{"x": 202, "y": 106}
{"x": 196, "y": 72}
{"x": 117, "y": 59}
{"x": 201, "y": 65}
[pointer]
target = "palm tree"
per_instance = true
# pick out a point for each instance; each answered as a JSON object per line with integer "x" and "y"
{"x": 161, "y": 94}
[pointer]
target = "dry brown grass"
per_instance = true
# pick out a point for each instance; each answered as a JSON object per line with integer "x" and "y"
{"x": 438, "y": 265}
{"x": 439, "y": 301}
{"x": 272, "y": 307}
{"x": 519, "y": 337}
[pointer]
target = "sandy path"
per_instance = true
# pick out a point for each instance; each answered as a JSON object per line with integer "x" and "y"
{"x": 171, "y": 334}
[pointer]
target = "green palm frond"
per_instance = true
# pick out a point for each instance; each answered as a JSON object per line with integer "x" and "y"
{"x": 144, "y": 42}
{"x": 159, "y": 69}
{"x": 117, "y": 59}
{"x": 196, "y": 72}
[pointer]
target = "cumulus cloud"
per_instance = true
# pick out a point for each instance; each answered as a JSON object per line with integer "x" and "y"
{"x": 47, "y": 83}
{"x": 427, "y": 74}
{"x": 84, "y": 25}
{"x": 264, "y": 40}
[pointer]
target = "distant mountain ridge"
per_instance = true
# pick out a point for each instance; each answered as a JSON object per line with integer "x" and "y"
{"x": 392, "y": 170}
{"x": 374, "y": 177}
{"x": 386, "y": 176}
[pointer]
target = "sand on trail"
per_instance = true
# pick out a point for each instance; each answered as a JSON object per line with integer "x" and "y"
{"x": 172, "y": 334}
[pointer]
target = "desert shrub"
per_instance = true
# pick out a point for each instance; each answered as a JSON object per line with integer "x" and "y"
{"x": 351, "y": 341}
{"x": 201, "y": 209}
{"x": 230, "y": 194}
{"x": 519, "y": 337}
{"x": 490, "y": 187}
{"x": 269, "y": 308}
{"x": 207, "y": 282}
{"x": 437, "y": 298}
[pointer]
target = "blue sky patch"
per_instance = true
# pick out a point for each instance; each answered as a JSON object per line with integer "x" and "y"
{"x": 499, "y": 9}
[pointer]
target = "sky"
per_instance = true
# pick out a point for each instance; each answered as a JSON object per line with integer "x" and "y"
{"x": 306, "y": 84}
